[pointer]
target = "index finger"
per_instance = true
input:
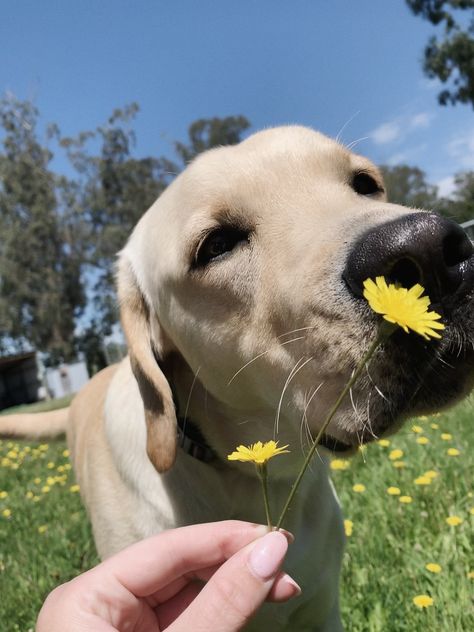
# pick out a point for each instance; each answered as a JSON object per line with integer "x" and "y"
{"x": 149, "y": 565}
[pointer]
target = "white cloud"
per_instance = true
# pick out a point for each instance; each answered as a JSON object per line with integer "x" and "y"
{"x": 386, "y": 133}
{"x": 446, "y": 186}
{"x": 461, "y": 148}
{"x": 421, "y": 120}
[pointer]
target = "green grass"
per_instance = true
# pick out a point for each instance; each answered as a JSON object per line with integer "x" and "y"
{"x": 39, "y": 407}
{"x": 384, "y": 566}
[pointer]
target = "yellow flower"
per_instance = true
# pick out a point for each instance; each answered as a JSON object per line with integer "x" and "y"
{"x": 454, "y": 521}
{"x": 74, "y": 488}
{"x": 422, "y": 601}
{"x": 471, "y": 511}
{"x": 3, "y": 495}
{"x": 395, "y": 455}
{"x": 43, "y": 528}
{"x": 422, "y": 440}
{"x": 470, "y": 575}
{"x": 394, "y": 491}
{"x": 348, "y": 527}
{"x": 406, "y": 308}
{"x": 29, "y": 495}
{"x": 422, "y": 480}
{"x": 66, "y": 453}
{"x": 339, "y": 464}
{"x": 51, "y": 465}
{"x": 359, "y": 488}
{"x": 6, "y": 513}
{"x": 453, "y": 452}
{"x": 434, "y": 426}
{"x": 433, "y": 568}
{"x": 399, "y": 464}
{"x": 45, "y": 489}
{"x": 258, "y": 453}
{"x": 431, "y": 474}
{"x": 405, "y": 499}
{"x": 445, "y": 436}
{"x": 37, "y": 480}
{"x": 417, "y": 429}
{"x": 384, "y": 443}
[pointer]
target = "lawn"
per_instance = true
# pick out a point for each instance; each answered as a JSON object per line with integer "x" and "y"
{"x": 397, "y": 497}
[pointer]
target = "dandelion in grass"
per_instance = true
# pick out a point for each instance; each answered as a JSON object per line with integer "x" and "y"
{"x": 42, "y": 528}
{"x": 417, "y": 429}
{"x": 394, "y": 491}
{"x": 470, "y": 575}
{"x": 406, "y": 308}
{"x": 399, "y": 464}
{"x": 406, "y": 500}
{"x": 259, "y": 453}
{"x": 471, "y": 511}
{"x": 358, "y": 488}
{"x": 453, "y": 452}
{"x": 434, "y": 426}
{"x": 454, "y": 521}
{"x": 3, "y": 495}
{"x": 433, "y": 568}
{"x": 339, "y": 464}
{"x": 423, "y": 601}
{"x": 45, "y": 489}
{"x": 6, "y": 513}
{"x": 348, "y": 527}
{"x": 445, "y": 436}
{"x": 74, "y": 489}
{"x": 422, "y": 480}
{"x": 422, "y": 440}
{"x": 431, "y": 474}
{"x": 395, "y": 455}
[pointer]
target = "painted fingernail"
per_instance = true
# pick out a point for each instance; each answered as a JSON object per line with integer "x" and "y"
{"x": 267, "y": 555}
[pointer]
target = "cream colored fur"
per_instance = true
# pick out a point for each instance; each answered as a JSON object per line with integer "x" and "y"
{"x": 255, "y": 345}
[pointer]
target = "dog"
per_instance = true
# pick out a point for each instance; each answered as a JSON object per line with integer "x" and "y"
{"x": 240, "y": 293}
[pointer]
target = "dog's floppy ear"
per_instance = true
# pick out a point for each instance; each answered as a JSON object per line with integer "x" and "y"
{"x": 145, "y": 353}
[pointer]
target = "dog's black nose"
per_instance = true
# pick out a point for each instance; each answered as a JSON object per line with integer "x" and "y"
{"x": 417, "y": 248}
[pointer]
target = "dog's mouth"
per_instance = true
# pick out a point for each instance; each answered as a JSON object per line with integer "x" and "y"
{"x": 334, "y": 445}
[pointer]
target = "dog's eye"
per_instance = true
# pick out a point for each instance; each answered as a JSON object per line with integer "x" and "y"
{"x": 217, "y": 243}
{"x": 365, "y": 184}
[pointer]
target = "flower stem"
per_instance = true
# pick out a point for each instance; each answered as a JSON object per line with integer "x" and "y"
{"x": 383, "y": 333}
{"x": 262, "y": 472}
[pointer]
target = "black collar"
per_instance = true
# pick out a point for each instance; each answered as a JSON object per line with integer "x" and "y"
{"x": 192, "y": 441}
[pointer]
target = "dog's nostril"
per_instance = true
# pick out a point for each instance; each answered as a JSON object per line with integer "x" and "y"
{"x": 405, "y": 272}
{"x": 456, "y": 248}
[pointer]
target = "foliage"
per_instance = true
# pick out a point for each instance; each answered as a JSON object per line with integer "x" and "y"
{"x": 451, "y": 58}
{"x": 461, "y": 204}
{"x": 41, "y": 292}
{"x": 385, "y": 557}
{"x": 407, "y": 185}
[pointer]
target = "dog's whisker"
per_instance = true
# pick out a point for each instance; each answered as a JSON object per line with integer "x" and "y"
{"x": 348, "y": 122}
{"x": 293, "y": 372}
{"x": 356, "y": 142}
{"x": 287, "y": 342}
{"x": 186, "y": 410}
{"x": 374, "y": 384}
{"x": 294, "y": 331}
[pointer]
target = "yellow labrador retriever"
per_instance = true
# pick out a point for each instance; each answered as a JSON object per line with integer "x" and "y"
{"x": 240, "y": 293}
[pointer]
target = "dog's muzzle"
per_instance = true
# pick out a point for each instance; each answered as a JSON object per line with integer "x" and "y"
{"x": 419, "y": 248}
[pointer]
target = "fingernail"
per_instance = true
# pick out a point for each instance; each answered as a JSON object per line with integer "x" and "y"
{"x": 295, "y": 588}
{"x": 267, "y": 555}
{"x": 288, "y": 535}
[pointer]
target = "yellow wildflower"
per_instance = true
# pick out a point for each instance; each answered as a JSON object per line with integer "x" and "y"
{"x": 422, "y": 480}
{"x": 454, "y": 521}
{"x": 431, "y": 474}
{"x": 395, "y": 455}
{"x": 45, "y": 489}
{"x": 66, "y": 453}
{"x": 51, "y": 465}
{"x": 358, "y": 487}
{"x": 470, "y": 575}
{"x": 339, "y": 464}
{"x": 42, "y": 528}
{"x": 445, "y": 436}
{"x": 434, "y": 426}
{"x": 394, "y": 491}
{"x": 417, "y": 429}
{"x": 471, "y": 511}
{"x": 37, "y": 480}
{"x": 348, "y": 527}
{"x": 422, "y": 601}
{"x": 384, "y": 443}
{"x": 29, "y": 495}
{"x": 406, "y": 308}
{"x": 74, "y": 488}
{"x": 3, "y": 495}
{"x": 422, "y": 440}
{"x": 6, "y": 513}
{"x": 433, "y": 568}
{"x": 405, "y": 499}
{"x": 399, "y": 464}
{"x": 453, "y": 452}
{"x": 258, "y": 453}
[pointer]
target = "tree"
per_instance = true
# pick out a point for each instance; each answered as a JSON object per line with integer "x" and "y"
{"x": 208, "y": 133}
{"x": 460, "y": 206}
{"x": 450, "y": 59}
{"x": 41, "y": 293}
{"x": 407, "y": 186}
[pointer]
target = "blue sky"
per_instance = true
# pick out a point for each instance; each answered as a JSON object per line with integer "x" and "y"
{"x": 343, "y": 67}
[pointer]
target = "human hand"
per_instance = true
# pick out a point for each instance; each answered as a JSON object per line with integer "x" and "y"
{"x": 205, "y": 578}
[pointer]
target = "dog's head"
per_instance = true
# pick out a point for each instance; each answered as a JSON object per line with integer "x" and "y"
{"x": 244, "y": 282}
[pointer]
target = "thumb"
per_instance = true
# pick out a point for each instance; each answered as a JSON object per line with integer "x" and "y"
{"x": 237, "y": 589}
